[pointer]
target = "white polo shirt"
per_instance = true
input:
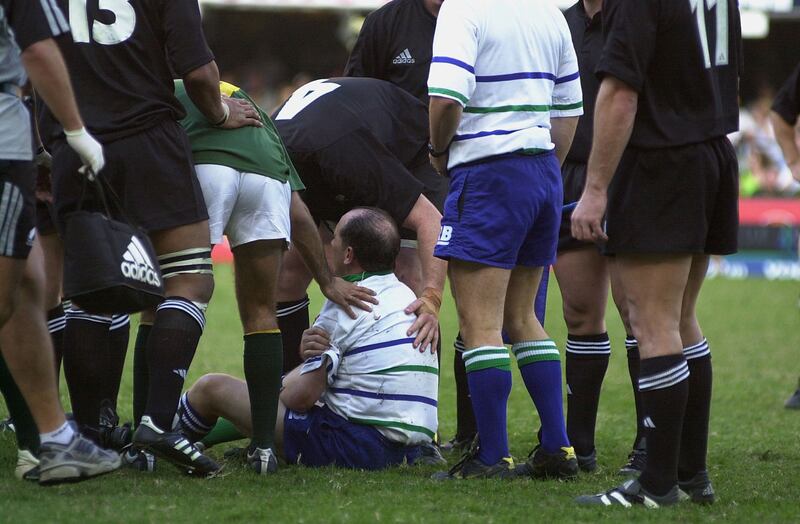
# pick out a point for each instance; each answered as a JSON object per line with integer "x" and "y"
{"x": 511, "y": 64}
{"x": 375, "y": 376}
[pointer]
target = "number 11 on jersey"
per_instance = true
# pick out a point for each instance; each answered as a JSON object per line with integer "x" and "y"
{"x": 721, "y": 49}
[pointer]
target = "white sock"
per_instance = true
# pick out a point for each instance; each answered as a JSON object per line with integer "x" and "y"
{"x": 62, "y": 435}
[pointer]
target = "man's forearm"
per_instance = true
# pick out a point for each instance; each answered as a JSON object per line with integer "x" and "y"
{"x": 48, "y": 74}
{"x": 614, "y": 115}
{"x": 202, "y": 86}
{"x": 307, "y": 241}
{"x": 425, "y": 220}
{"x": 562, "y": 131}
{"x": 445, "y": 115}
{"x": 785, "y": 135}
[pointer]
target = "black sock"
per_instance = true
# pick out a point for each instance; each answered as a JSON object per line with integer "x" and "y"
{"x": 587, "y": 362}
{"x": 86, "y": 365}
{"x": 24, "y": 426}
{"x": 263, "y": 365}
{"x": 694, "y": 440}
{"x": 466, "y": 427}
{"x": 118, "y": 338}
{"x": 56, "y": 321}
{"x": 664, "y": 388}
{"x": 171, "y": 345}
{"x": 141, "y": 382}
{"x": 292, "y": 320}
{"x": 632, "y": 346}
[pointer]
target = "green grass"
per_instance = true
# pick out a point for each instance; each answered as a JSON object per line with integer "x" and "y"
{"x": 754, "y": 454}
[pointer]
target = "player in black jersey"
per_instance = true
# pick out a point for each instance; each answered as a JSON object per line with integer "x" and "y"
{"x": 396, "y": 44}
{"x": 670, "y": 73}
{"x": 784, "y": 117}
{"x": 363, "y": 142}
{"x": 122, "y": 58}
{"x": 583, "y": 272}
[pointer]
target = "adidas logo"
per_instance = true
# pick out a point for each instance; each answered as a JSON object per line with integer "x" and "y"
{"x": 180, "y": 372}
{"x": 136, "y": 264}
{"x": 648, "y": 423}
{"x": 404, "y": 58}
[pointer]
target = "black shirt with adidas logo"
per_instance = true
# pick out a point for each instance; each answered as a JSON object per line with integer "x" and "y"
{"x": 396, "y": 44}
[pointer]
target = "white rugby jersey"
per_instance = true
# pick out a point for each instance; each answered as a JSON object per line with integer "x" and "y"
{"x": 376, "y": 377}
{"x": 511, "y": 64}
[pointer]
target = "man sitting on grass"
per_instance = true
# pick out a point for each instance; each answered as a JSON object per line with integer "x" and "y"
{"x": 364, "y": 398}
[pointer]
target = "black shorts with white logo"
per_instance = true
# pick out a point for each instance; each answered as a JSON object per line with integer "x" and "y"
{"x": 151, "y": 172}
{"x": 675, "y": 200}
{"x": 17, "y": 182}
{"x": 573, "y": 175}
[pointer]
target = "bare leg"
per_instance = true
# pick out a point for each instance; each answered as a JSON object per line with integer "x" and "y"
{"x": 583, "y": 278}
{"x": 26, "y": 345}
{"x": 257, "y": 267}
{"x": 654, "y": 289}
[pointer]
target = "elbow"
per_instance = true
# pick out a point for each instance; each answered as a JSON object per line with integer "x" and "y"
{"x": 204, "y": 77}
{"x": 444, "y": 105}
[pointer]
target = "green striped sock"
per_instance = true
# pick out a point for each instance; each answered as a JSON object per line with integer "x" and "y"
{"x": 535, "y": 351}
{"x": 486, "y": 357}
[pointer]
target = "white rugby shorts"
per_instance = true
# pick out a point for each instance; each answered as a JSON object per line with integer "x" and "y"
{"x": 244, "y": 206}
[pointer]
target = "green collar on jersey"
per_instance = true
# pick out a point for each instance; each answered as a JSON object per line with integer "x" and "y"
{"x": 358, "y": 277}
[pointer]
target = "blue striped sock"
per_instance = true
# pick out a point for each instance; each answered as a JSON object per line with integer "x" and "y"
{"x": 489, "y": 379}
{"x": 540, "y": 365}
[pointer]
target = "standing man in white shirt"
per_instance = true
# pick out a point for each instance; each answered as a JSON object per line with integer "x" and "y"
{"x": 379, "y": 392}
{"x": 505, "y": 100}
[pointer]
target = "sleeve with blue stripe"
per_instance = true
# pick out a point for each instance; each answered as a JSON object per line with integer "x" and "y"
{"x": 455, "y": 51}
{"x": 567, "y": 94}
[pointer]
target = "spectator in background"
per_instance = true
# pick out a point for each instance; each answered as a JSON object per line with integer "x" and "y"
{"x": 765, "y": 178}
{"x": 785, "y": 111}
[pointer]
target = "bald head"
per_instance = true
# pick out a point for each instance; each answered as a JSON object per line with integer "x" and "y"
{"x": 373, "y": 236}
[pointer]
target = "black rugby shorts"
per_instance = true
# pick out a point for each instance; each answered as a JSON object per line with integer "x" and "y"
{"x": 675, "y": 200}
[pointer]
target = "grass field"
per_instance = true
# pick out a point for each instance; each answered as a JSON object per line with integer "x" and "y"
{"x": 754, "y": 453}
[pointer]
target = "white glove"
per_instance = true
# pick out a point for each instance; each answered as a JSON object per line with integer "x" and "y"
{"x": 89, "y": 149}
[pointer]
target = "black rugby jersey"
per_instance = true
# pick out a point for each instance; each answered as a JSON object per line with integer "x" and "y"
{"x": 787, "y": 101}
{"x": 123, "y": 57}
{"x": 396, "y": 44}
{"x": 587, "y": 38}
{"x": 354, "y": 142}
{"x": 321, "y": 112}
{"x": 684, "y": 59}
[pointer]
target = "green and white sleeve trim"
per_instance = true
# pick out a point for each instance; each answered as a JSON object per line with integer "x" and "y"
{"x": 448, "y": 93}
{"x": 535, "y": 351}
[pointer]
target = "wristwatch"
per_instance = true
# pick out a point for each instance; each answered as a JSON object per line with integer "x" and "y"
{"x": 437, "y": 154}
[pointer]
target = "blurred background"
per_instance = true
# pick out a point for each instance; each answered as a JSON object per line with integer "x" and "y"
{"x": 272, "y": 47}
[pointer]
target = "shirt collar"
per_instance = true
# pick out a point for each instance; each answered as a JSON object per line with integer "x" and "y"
{"x": 358, "y": 277}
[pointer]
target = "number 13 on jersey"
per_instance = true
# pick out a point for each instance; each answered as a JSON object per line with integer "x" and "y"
{"x": 116, "y": 32}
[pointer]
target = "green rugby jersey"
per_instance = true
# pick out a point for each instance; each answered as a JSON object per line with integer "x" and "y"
{"x": 256, "y": 150}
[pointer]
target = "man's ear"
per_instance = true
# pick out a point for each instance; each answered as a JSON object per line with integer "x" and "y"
{"x": 349, "y": 255}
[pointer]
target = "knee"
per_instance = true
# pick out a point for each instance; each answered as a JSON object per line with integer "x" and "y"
{"x": 197, "y": 288}
{"x": 583, "y": 318}
{"x": 293, "y": 282}
{"x": 410, "y": 277}
{"x": 204, "y": 393}
{"x": 260, "y": 318}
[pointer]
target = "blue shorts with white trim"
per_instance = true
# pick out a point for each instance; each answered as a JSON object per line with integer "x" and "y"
{"x": 320, "y": 438}
{"x": 503, "y": 211}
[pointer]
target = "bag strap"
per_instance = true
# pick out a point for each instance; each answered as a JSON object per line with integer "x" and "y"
{"x": 99, "y": 183}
